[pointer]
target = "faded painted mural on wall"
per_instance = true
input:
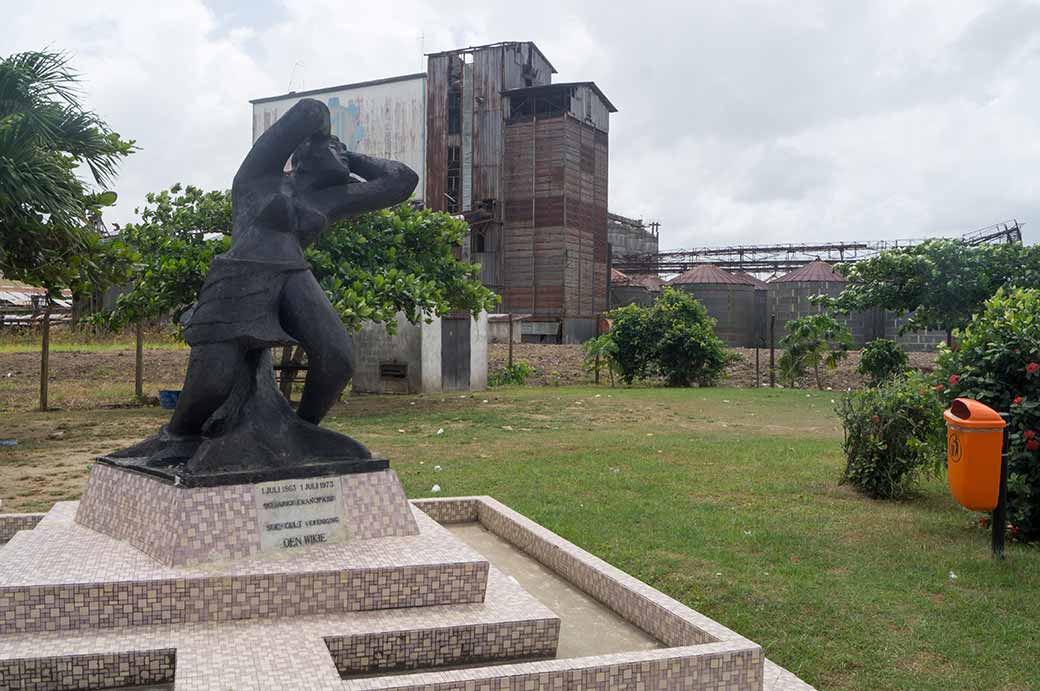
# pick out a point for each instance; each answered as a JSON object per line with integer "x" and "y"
{"x": 385, "y": 119}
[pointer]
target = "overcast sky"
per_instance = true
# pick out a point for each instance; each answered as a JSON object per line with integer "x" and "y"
{"x": 738, "y": 122}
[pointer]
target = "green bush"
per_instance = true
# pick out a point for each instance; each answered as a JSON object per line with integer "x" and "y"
{"x": 635, "y": 340}
{"x": 812, "y": 341}
{"x": 600, "y": 353}
{"x": 674, "y": 338}
{"x": 998, "y": 362}
{"x": 517, "y": 373}
{"x": 894, "y": 433}
{"x": 881, "y": 360}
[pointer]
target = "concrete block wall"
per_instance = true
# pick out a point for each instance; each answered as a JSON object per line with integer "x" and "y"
{"x": 416, "y": 346}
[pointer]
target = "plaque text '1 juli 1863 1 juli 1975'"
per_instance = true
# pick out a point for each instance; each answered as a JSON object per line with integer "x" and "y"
{"x": 297, "y": 513}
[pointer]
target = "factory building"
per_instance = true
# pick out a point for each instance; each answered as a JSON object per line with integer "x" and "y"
{"x": 522, "y": 159}
{"x": 628, "y": 236}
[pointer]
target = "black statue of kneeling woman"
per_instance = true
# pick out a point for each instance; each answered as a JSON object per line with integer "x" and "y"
{"x": 230, "y": 417}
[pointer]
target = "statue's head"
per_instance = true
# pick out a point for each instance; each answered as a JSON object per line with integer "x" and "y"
{"x": 320, "y": 162}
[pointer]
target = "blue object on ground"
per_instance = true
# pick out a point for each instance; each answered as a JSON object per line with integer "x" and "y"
{"x": 168, "y": 398}
{"x": 8, "y": 442}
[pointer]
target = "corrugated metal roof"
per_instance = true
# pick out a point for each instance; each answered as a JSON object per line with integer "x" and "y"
{"x": 753, "y": 280}
{"x": 813, "y": 272}
{"x": 544, "y": 88}
{"x": 708, "y": 273}
{"x": 649, "y": 281}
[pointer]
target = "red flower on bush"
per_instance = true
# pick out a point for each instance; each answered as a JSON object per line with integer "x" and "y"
{"x": 1032, "y": 368}
{"x": 922, "y": 392}
{"x": 954, "y": 378}
{"x": 1017, "y": 400}
{"x": 984, "y": 521}
{"x": 1029, "y": 434}
{"x": 876, "y": 418}
{"x": 1032, "y": 445}
{"x": 938, "y": 387}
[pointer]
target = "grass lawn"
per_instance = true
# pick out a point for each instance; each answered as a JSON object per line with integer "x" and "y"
{"x": 726, "y": 499}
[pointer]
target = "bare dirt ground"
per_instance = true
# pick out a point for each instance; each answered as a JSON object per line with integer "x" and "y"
{"x": 104, "y": 379}
{"x": 562, "y": 364}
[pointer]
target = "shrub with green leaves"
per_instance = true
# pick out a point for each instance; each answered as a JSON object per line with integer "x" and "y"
{"x": 811, "y": 341}
{"x": 674, "y": 338}
{"x": 517, "y": 373}
{"x": 599, "y": 354}
{"x": 894, "y": 434}
{"x": 998, "y": 363}
{"x": 882, "y": 359}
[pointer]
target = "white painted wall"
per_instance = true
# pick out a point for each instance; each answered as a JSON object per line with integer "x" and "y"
{"x": 385, "y": 119}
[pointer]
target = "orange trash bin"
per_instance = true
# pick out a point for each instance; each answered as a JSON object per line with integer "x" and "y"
{"x": 974, "y": 441}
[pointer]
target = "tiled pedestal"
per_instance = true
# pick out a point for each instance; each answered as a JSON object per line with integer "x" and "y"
{"x": 177, "y": 526}
{"x": 308, "y": 635}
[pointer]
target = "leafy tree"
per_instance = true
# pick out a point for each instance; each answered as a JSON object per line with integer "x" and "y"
{"x": 882, "y": 359}
{"x": 49, "y": 216}
{"x": 673, "y": 337}
{"x": 635, "y": 341}
{"x": 998, "y": 363}
{"x": 939, "y": 283}
{"x": 818, "y": 339}
{"x": 688, "y": 351}
{"x": 402, "y": 259}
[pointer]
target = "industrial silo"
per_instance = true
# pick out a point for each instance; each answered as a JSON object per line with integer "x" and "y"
{"x": 760, "y": 315}
{"x": 629, "y": 290}
{"x": 790, "y": 297}
{"x": 728, "y": 298}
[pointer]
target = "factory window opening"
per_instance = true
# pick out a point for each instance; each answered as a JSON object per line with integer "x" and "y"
{"x": 455, "y": 111}
{"x": 454, "y": 190}
{"x": 478, "y": 243}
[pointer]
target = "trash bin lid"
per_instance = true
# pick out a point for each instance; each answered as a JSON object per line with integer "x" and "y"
{"x": 970, "y": 414}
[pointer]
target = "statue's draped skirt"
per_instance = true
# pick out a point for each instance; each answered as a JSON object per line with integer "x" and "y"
{"x": 239, "y": 302}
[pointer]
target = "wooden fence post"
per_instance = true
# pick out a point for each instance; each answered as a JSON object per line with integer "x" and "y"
{"x": 139, "y": 361}
{"x": 45, "y": 352}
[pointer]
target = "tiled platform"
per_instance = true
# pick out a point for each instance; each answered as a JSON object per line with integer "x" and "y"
{"x": 255, "y": 654}
{"x": 63, "y": 577}
{"x": 296, "y": 652}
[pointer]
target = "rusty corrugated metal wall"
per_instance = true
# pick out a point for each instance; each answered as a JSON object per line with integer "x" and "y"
{"x": 545, "y": 247}
{"x": 555, "y": 213}
{"x": 437, "y": 131}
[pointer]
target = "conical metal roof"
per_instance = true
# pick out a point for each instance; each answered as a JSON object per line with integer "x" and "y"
{"x": 813, "y": 272}
{"x": 753, "y": 280}
{"x": 649, "y": 281}
{"x": 708, "y": 273}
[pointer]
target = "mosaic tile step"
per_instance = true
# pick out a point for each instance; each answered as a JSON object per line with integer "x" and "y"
{"x": 299, "y": 652}
{"x": 180, "y": 526}
{"x": 64, "y": 577}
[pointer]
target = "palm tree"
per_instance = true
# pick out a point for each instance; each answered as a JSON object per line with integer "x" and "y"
{"x": 47, "y": 237}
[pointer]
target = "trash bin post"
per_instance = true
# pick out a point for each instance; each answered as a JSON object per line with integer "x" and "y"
{"x": 1000, "y": 512}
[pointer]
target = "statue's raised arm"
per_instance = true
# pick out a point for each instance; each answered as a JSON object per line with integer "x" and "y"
{"x": 274, "y": 147}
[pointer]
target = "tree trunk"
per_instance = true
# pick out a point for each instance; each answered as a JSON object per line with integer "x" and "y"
{"x": 596, "y": 367}
{"x": 291, "y": 358}
{"x": 816, "y": 371}
{"x": 45, "y": 354}
{"x": 139, "y": 361}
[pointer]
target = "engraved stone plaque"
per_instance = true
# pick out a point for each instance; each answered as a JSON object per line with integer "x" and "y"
{"x": 299, "y": 513}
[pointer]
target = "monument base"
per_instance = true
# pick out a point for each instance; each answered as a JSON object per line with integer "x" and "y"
{"x": 183, "y": 526}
